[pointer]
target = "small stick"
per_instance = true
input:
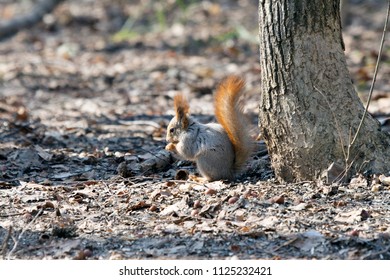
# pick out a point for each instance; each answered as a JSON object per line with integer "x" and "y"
{"x": 23, "y": 231}
{"x": 374, "y": 78}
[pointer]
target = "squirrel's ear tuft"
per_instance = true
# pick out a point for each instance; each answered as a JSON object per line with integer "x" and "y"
{"x": 182, "y": 109}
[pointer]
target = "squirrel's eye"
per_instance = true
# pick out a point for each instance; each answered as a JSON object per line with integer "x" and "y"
{"x": 172, "y": 130}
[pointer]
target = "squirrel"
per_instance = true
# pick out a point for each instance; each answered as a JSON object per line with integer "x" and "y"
{"x": 219, "y": 149}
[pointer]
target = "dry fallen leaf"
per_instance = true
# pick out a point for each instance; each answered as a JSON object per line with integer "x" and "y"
{"x": 352, "y": 216}
{"x": 279, "y": 199}
{"x": 269, "y": 222}
{"x": 177, "y": 208}
{"x": 299, "y": 207}
{"x": 385, "y": 180}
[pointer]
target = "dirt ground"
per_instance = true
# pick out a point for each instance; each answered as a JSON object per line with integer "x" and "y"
{"x": 85, "y": 98}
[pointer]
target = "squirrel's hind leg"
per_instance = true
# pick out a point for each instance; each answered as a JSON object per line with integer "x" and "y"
{"x": 213, "y": 170}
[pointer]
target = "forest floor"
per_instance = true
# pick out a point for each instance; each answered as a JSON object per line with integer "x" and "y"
{"x": 85, "y": 98}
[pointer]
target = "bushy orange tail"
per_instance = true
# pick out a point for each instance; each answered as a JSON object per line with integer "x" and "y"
{"x": 229, "y": 113}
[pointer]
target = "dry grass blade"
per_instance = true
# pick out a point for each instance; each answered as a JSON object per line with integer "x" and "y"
{"x": 23, "y": 231}
{"x": 374, "y": 77}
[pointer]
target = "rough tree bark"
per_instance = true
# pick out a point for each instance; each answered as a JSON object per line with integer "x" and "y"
{"x": 309, "y": 110}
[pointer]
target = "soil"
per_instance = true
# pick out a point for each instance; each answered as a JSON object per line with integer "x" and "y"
{"x": 85, "y": 98}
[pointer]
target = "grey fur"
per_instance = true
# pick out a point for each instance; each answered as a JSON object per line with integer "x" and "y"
{"x": 208, "y": 145}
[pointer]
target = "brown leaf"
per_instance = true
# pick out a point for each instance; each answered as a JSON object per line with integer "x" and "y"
{"x": 339, "y": 203}
{"x": 138, "y": 205}
{"x": 279, "y": 199}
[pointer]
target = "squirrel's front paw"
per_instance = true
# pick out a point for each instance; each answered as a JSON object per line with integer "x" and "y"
{"x": 170, "y": 147}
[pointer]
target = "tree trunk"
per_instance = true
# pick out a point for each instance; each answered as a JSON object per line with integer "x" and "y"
{"x": 309, "y": 110}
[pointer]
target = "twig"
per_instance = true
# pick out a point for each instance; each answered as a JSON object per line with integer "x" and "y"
{"x": 288, "y": 242}
{"x": 11, "y": 215}
{"x": 157, "y": 155}
{"x": 374, "y": 78}
{"x": 158, "y": 162}
{"x": 23, "y": 231}
{"x": 347, "y": 153}
{"x": 351, "y": 143}
{"x": 191, "y": 182}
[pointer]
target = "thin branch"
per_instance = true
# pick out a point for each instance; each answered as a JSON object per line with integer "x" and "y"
{"x": 374, "y": 78}
{"x": 11, "y": 215}
{"x": 190, "y": 182}
{"x": 23, "y": 231}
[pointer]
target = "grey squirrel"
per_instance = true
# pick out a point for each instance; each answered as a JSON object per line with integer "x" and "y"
{"x": 219, "y": 149}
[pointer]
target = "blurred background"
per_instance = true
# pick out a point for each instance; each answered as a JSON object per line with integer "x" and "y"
{"x": 141, "y": 49}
